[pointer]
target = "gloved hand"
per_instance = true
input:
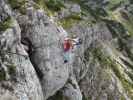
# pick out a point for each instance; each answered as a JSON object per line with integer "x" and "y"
{"x": 80, "y": 41}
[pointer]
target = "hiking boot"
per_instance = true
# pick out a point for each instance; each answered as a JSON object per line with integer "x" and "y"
{"x": 65, "y": 61}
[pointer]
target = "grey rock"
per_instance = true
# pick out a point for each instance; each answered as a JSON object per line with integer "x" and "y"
{"x": 64, "y": 14}
{"x": 71, "y": 90}
{"x": 20, "y": 80}
{"x": 75, "y": 8}
{"x": 47, "y": 55}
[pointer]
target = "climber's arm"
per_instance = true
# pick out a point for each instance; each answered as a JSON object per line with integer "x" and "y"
{"x": 73, "y": 40}
{"x": 76, "y": 42}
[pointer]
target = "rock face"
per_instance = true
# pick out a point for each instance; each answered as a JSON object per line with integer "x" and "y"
{"x": 75, "y": 9}
{"x": 32, "y": 59}
{"x": 46, "y": 56}
{"x": 18, "y": 79}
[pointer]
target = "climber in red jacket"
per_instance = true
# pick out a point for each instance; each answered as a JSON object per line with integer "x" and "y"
{"x": 68, "y": 45}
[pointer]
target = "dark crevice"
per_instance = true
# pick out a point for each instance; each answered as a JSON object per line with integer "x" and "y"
{"x": 74, "y": 85}
{"x": 25, "y": 41}
{"x": 57, "y": 96}
{"x": 128, "y": 64}
{"x": 31, "y": 51}
{"x": 38, "y": 70}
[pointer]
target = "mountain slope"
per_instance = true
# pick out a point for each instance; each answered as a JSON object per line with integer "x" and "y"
{"x": 31, "y": 55}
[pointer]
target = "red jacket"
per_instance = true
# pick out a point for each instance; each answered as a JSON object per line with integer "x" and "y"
{"x": 67, "y": 45}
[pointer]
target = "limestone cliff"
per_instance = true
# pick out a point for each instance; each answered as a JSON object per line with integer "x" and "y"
{"x": 31, "y": 54}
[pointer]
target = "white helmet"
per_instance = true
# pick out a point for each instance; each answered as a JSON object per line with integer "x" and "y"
{"x": 67, "y": 38}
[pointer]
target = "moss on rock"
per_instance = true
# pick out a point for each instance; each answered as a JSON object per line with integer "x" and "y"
{"x": 5, "y": 24}
{"x": 2, "y": 74}
{"x": 11, "y": 69}
{"x": 107, "y": 62}
{"x": 115, "y": 27}
{"x": 70, "y": 21}
{"x": 57, "y": 96}
{"x": 54, "y": 5}
{"x": 50, "y": 6}
{"x": 18, "y": 5}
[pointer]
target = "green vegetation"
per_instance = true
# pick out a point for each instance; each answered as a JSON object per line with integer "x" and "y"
{"x": 54, "y": 5}
{"x": 123, "y": 46}
{"x": 99, "y": 55}
{"x": 67, "y": 23}
{"x": 113, "y": 4}
{"x": 126, "y": 84}
{"x": 70, "y": 21}
{"x": 18, "y": 5}
{"x": 115, "y": 27}
{"x": 122, "y": 97}
{"x": 57, "y": 96}
{"x": 131, "y": 1}
{"x": 130, "y": 74}
{"x": 40, "y": 4}
{"x": 5, "y": 24}
{"x": 75, "y": 1}
{"x": 126, "y": 19}
{"x": 122, "y": 16}
{"x": 2, "y": 74}
{"x": 120, "y": 29}
{"x": 109, "y": 63}
{"x": 11, "y": 69}
{"x": 97, "y": 13}
{"x": 127, "y": 64}
{"x": 121, "y": 26}
{"x": 112, "y": 64}
{"x": 50, "y": 6}
{"x": 127, "y": 22}
{"x": 86, "y": 98}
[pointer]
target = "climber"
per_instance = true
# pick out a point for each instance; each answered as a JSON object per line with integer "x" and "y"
{"x": 68, "y": 45}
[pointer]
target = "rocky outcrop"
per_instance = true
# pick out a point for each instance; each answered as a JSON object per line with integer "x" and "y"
{"x": 46, "y": 57}
{"x": 31, "y": 54}
{"x": 18, "y": 79}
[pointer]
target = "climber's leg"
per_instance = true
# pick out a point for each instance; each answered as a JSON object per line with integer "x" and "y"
{"x": 66, "y": 56}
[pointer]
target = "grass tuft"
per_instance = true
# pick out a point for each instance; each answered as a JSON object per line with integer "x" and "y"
{"x": 70, "y": 20}
{"x": 11, "y": 69}
{"x": 5, "y": 24}
{"x": 2, "y": 74}
{"x": 18, "y": 5}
